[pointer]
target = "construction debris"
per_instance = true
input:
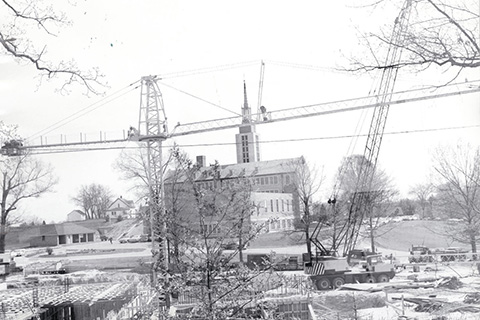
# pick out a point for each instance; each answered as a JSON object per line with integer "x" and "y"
{"x": 450, "y": 283}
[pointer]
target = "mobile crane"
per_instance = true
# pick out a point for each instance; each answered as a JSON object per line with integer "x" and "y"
{"x": 326, "y": 269}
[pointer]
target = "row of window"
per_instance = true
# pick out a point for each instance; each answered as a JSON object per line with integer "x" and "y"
{"x": 245, "y": 155}
{"x": 276, "y": 205}
{"x": 283, "y": 224}
{"x": 272, "y": 180}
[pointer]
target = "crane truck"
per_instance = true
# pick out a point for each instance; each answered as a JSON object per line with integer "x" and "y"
{"x": 330, "y": 272}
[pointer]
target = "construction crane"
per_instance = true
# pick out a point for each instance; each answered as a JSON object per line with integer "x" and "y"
{"x": 361, "y": 199}
{"x": 16, "y": 147}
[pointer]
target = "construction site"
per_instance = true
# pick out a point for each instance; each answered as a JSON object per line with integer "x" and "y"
{"x": 50, "y": 288}
{"x": 258, "y": 257}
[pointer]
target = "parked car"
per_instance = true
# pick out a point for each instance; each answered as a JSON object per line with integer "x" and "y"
{"x": 123, "y": 240}
{"x": 133, "y": 239}
{"x": 18, "y": 253}
{"x": 144, "y": 238}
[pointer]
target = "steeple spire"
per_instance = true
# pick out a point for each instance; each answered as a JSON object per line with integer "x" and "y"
{"x": 245, "y": 109}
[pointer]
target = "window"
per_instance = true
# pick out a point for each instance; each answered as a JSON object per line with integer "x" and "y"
{"x": 276, "y": 202}
{"x": 275, "y": 179}
{"x": 271, "y": 180}
{"x": 43, "y": 238}
{"x": 283, "y": 205}
{"x": 271, "y": 204}
{"x": 283, "y": 224}
{"x": 288, "y": 205}
{"x": 262, "y": 181}
{"x": 287, "y": 179}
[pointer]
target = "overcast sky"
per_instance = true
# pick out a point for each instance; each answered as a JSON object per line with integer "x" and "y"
{"x": 302, "y": 44}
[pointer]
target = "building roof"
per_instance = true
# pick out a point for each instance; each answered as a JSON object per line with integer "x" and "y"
{"x": 125, "y": 204}
{"x": 63, "y": 229}
{"x": 249, "y": 169}
{"x": 80, "y": 212}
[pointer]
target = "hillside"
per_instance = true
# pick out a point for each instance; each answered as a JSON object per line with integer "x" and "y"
{"x": 404, "y": 234}
{"x": 396, "y": 236}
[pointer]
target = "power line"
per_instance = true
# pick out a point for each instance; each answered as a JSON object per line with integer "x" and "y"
{"x": 63, "y": 150}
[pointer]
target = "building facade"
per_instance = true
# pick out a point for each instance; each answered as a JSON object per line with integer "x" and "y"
{"x": 51, "y": 235}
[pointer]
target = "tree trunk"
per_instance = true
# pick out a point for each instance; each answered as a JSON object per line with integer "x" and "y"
{"x": 473, "y": 243}
{"x": 307, "y": 239}
{"x": 240, "y": 240}
{"x": 2, "y": 237}
{"x": 3, "y": 228}
{"x": 372, "y": 236}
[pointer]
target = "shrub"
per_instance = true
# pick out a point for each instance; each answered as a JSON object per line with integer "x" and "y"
{"x": 49, "y": 251}
{"x": 120, "y": 218}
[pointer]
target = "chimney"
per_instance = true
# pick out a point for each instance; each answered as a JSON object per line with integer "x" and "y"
{"x": 201, "y": 161}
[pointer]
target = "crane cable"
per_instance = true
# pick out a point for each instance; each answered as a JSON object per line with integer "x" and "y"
{"x": 80, "y": 113}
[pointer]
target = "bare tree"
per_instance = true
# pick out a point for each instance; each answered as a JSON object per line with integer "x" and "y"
{"x": 217, "y": 213}
{"x": 437, "y": 33}
{"x": 132, "y": 167}
{"x": 458, "y": 191}
{"x": 18, "y": 39}
{"x": 307, "y": 181}
{"x": 94, "y": 199}
{"x": 378, "y": 200}
{"x": 21, "y": 177}
{"x": 423, "y": 192}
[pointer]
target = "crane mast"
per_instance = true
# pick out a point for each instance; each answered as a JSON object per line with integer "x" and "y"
{"x": 153, "y": 130}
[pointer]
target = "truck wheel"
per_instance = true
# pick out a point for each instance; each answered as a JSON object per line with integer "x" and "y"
{"x": 370, "y": 279}
{"x": 323, "y": 284}
{"x": 383, "y": 278}
{"x": 338, "y": 282}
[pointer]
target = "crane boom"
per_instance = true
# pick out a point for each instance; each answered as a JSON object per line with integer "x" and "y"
{"x": 329, "y": 108}
{"x": 398, "y": 98}
{"x": 360, "y": 201}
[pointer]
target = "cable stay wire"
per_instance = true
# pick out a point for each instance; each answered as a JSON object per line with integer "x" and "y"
{"x": 91, "y": 107}
{"x": 193, "y": 72}
{"x": 50, "y": 150}
{"x": 201, "y": 99}
{"x": 302, "y": 66}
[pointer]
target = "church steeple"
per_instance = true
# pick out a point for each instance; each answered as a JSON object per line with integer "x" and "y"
{"x": 246, "y": 113}
{"x": 248, "y": 147}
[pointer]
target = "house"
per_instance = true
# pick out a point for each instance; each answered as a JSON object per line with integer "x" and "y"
{"x": 50, "y": 235}
{"x": 76, "y": 215}
{"x": 121, "y": 207}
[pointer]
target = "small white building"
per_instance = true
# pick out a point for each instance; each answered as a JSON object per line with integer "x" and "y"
{"x": 121, "y": 207}
{"x": 275, "y": 210}
{"x": 76, "y": 215}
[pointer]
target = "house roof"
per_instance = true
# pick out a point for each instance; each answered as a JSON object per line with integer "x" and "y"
{"x": 249, "y": 169}
{"x": 124, "y": 204}
{"x": 63, "y": 229}
{"x": 77, "y": 212}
